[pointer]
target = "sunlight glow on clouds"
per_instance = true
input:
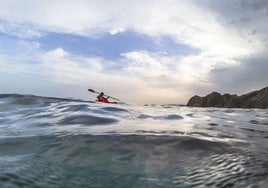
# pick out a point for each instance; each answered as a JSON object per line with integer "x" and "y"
{"x": 146, "y": 51}
{"x": 142, "y": 63}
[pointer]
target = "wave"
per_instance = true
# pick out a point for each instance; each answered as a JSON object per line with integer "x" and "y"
{"x": 44, "y": 141}
{"x": 18, "y": 99}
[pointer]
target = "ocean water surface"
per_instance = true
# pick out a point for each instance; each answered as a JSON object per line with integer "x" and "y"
{"x": 53, "y": 142}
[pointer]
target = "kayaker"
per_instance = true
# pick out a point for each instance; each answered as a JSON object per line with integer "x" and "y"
{"x": 101, "y": 98}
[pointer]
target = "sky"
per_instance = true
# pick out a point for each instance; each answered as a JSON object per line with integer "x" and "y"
{"x": 142, "y": 52}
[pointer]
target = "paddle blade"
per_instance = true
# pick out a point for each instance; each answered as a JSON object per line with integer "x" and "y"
{"x": 91, "y": 90}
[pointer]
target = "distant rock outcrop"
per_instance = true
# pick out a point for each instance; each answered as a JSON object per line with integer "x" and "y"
{"x": 255, "y": 99}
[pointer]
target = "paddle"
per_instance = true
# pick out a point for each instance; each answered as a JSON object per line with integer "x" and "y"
{"x": 91, "y": 90}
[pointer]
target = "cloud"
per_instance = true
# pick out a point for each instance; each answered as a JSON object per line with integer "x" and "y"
{"x": 243, "y": 17}
{"x": 149, "y": 81}
{"x": 20, "y": 30}
{"x": 186, "y": 21}
{"x": 251, "y": 74}
{"x": 231, "y": 37}
{"x": 217, "y": 28}
{"x": 144, "y": 64}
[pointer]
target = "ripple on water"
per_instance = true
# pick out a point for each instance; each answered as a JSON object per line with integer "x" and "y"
{"x": 87, "y": 120}
{"x": 231, "y": 167}
{"x": 166, "y": 117}
{"x": 173, "y": 117}
{"x": 74, "y": 108}
{"x": 114, "y": 109}
{"x": 132, "y": 161}
{"x": 144, "y": 116}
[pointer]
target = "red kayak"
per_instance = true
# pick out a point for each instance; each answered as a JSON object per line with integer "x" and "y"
{"x": 105, "y": 100}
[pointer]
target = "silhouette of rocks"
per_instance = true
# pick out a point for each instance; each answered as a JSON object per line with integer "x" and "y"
{"x": 255, "y": 99}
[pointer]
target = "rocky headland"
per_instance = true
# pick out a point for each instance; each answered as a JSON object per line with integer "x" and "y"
{"x": 254, "y": 99}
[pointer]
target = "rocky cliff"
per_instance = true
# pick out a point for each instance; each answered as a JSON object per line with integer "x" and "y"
{"x": 255, "y": 99}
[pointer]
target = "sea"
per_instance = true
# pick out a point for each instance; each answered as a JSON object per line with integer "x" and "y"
{"x": 54, "y": 142}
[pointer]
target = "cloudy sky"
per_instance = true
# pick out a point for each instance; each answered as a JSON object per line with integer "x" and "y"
{"x": 142, "y": 51}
